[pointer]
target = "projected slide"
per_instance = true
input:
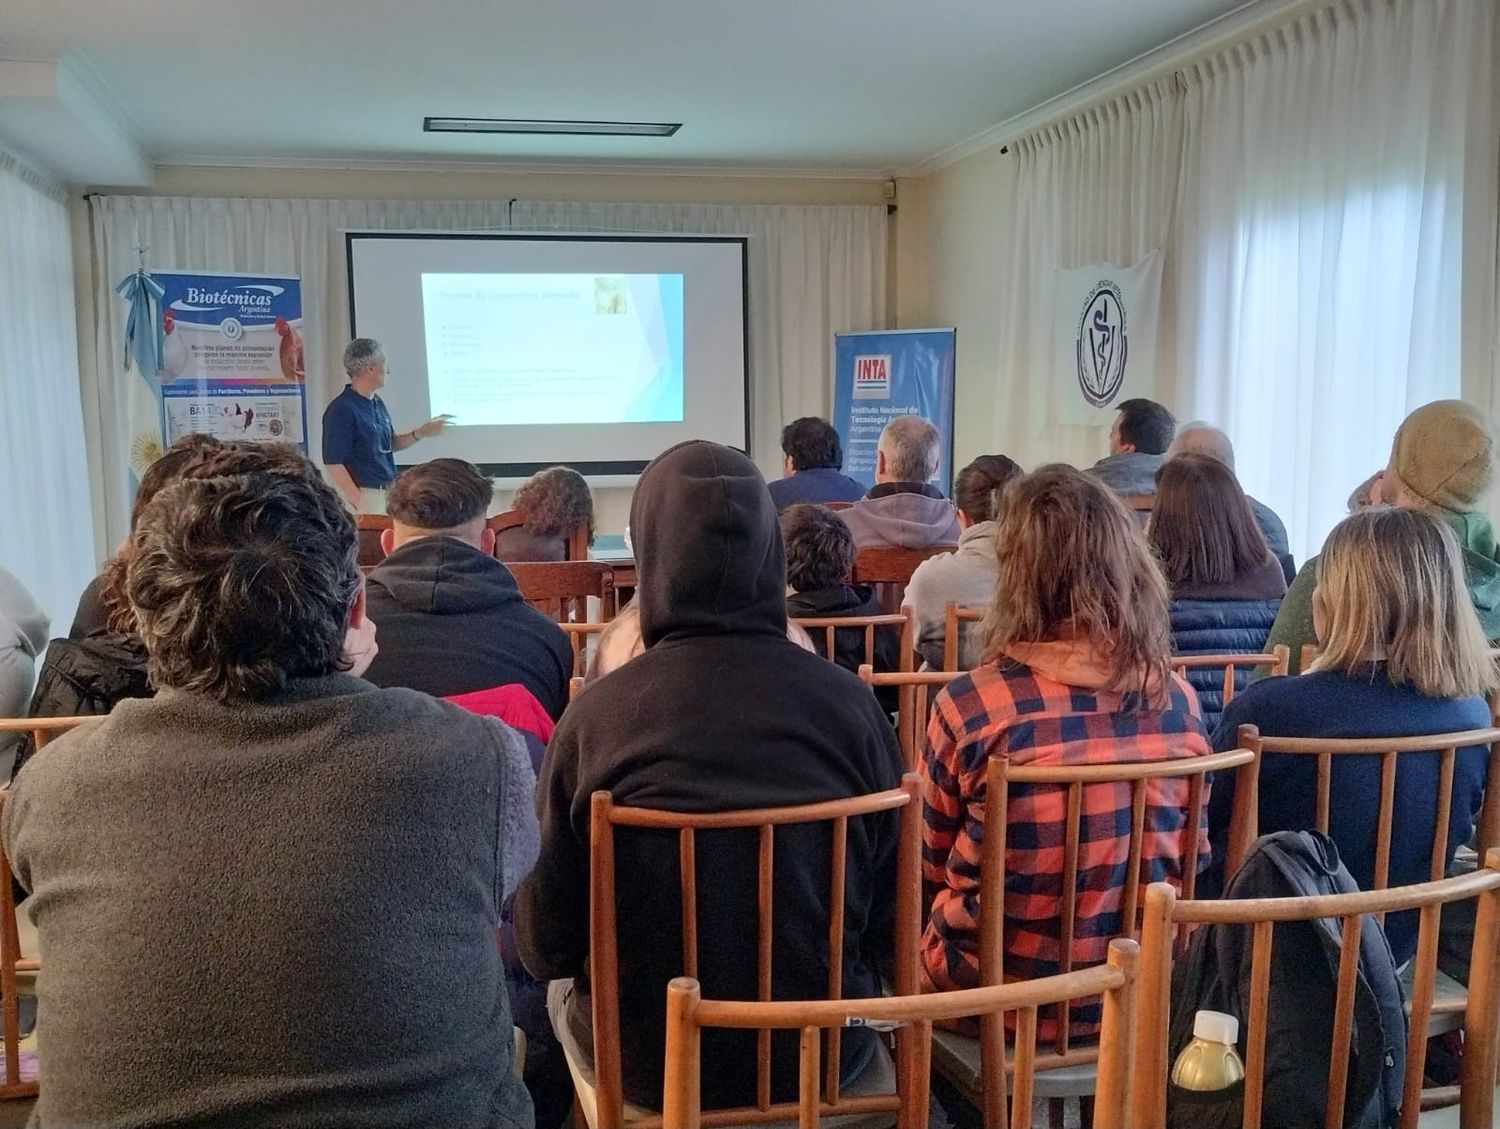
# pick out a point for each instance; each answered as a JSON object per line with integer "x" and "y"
{"x": 525, "y": 349}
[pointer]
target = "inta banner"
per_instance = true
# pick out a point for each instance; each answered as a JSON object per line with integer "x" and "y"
{"x": 1104, "y": 338}
{"x": 232, "y": 361}
{"x": 878, "y": 376}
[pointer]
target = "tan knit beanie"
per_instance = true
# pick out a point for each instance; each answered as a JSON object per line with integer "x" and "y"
{"x": 1444, "y": 455}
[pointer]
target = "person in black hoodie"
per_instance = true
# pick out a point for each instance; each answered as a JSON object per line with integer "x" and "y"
{"x": 721, "y": 712}
{"x": 819, "y": 561}
{"x": 451, "y": 618}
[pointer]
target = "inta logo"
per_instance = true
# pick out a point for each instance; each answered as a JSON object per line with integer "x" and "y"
{"x": 872, "y": 377}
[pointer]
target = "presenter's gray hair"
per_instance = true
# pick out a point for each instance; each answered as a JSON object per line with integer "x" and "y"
{"x": 911, "y": 447}
{"x": 1199, "y": 438}
{"x": 360, "y": 353}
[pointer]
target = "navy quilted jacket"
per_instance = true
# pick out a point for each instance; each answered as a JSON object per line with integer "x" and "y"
{"x": 1219, "y": 627}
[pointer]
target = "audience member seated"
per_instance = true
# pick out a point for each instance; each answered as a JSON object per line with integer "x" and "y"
{"x": 23, "y": 636}
{"x": 270, "y": 895}
{"x": 1075, "y": 672}
{"x": 1225, "y": 584}
{"x": 966, "y": 577}
{"x": 451, "y": 617}
{"x": 813, "y": 459}
{"x": 1199, "y": 438}
{"x": 88, "y": 673}
{"x": 819, "y": 564}
{"x": 1368, "y": 493}
{"x": 1442, "y": 462}
{"x": 92, "y": 616}
{"x": 1138, "y": 441}
{"x": 1402, "y": 655}
{"x": 904, "y": 509}
{"x": 556, "y": 502}
{"x": 719, "y": 712}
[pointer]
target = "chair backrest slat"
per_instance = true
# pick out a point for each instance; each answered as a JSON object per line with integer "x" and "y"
{"x": 914, "y": 697}
{"x": 10, "y": 961}
{"x": 688, "y": 862}
{"x": 954, "y": 620}
{"x": 1165, "y": 914}
{"x": 1025, "y": 1066}
{"x": 1383, "y": 823}
{"x": 836, "y": 945}
{"x": 765, "y": 877}
{"x": 1444, "y": 812}
{"x": 831, "y": 625}
{"x": 1275, "y": 661}
{"x": 562, "y": 589}
{"x": 1134, "y": 878}
{"x": 1069, "y": 922}
{"x": 888, "y": 570}
{"x": 1325, "y": 788}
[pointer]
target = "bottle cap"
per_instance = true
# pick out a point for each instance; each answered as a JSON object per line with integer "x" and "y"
{"x": 1216, "y": 1027}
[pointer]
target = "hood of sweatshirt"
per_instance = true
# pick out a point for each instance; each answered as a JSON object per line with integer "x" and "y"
{"x": 1481, "y": 564}
{"x": 707, "y": 546}
{"x": 444, "y": 576}
{"x": 906, "y": 520}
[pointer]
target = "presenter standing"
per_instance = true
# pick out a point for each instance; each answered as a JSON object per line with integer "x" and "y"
{"x": 359, "y": 441}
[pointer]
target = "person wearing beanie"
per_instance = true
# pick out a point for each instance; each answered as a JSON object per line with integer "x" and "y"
{"x": 719, "y": 712}
{"x": 1442, "y": 462}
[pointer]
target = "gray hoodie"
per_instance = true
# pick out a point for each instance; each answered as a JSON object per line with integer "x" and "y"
{"x": 903, "y": 515}
{"x": 966, "y": 578}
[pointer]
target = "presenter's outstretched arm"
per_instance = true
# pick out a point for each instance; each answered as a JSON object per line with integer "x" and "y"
{"x": 339, "y": 475}
{"x": 432, "y": 427}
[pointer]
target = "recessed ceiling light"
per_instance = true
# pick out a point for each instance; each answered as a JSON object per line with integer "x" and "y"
{"x": 515, "y": 125}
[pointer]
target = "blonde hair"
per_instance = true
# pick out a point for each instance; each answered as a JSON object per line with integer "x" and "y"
{"x": 1075, "y": 564}
{"x": 1392, "y": 586}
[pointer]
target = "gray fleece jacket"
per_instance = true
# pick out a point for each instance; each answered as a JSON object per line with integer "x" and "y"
{"x": 281, "y": 912}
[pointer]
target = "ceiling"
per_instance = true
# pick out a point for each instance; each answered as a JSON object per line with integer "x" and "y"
{"x": 867, "y": 87}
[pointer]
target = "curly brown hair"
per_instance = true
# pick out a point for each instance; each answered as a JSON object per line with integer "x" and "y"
{"x": 242, "y": 574}
{"x": 556, "y": 501}
{"x": 1073, "y": 562}
{"x": 159, "y": 475}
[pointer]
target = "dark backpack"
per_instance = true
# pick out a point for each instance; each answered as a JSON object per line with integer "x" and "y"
{"x": 1215, "y": 974}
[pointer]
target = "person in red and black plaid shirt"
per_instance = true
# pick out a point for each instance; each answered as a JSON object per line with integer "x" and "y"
{"x": 1074, "y": 672}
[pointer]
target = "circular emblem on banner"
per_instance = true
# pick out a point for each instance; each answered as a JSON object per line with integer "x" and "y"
{"x": 1102, "y": 345}
{"x": 231, "y": 328}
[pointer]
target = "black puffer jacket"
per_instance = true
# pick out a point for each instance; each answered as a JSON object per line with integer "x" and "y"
{"x": 85, "y": 678}
{"x": 1219, "y": 627}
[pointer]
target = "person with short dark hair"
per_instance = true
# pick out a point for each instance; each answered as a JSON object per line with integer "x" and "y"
{"x": 819, "y": 566}
{"x": 904, "y": 509}
{"x": 452, "y": 620}
{"x": 967, "y": 576}
{"x": 1138, "y": 442}
{"x": 1226, "y": 583}
{"x": 270, "y": 894}
{"x": 813, "y": 458}
{"x": 557, "y": 503}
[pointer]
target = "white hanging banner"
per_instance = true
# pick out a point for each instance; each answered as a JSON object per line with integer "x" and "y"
{"x": 1104, "y": 338}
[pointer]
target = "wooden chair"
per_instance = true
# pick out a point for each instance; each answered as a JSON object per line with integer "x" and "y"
{"x": 579, "y": 636}
{"x": 1141, "y": 506}
{"x": 562, "y": 589}
{"x": 688, "y": 1013}
{"x": 17, "y": 975}
{"x": 954, "y": 620}
{"x": 914, "y": 697}
{"x": 369, "y": 528}
{"x": 1166, "y": 915}
{"x": 42, "y": 729}
{"x": 831, "y": 625}
{"x": 603, "y": 1105}
{"x": 976, "y": 1067}
{"x": 577, "y": 541}
{"x": 1389, "y": 750}
{"x": 1275, "y": 661}
{"x": 836, "y": 506}
{"x": 889, "y": 570}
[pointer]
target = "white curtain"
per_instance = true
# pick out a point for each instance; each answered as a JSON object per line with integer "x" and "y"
{"x": 1338, "y": 177}
{"x": 1100, "y": 187}
{"x": 44, "y": 504}
{"x": 1325, "y": 196}
{"x": 813, "y": 271}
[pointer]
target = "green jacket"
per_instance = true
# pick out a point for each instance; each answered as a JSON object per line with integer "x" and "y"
{"x": 1294, "y": 625}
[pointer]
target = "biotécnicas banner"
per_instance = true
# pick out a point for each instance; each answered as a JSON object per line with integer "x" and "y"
{"x": 878, "y": 376}
{"x": 232, "y": 360}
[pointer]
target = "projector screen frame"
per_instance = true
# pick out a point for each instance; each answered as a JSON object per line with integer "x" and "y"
{"x": 587, "y": 468}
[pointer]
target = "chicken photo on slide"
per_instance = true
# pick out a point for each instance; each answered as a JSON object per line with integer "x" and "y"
{"x": 293, "y": 367}
{"x": 175, "y": 354}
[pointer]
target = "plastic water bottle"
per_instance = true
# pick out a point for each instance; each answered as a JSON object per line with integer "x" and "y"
{"x": 1210, "y": 1061}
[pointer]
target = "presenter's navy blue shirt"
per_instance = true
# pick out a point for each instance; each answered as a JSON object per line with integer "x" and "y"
{"x": 357, "y": 434}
